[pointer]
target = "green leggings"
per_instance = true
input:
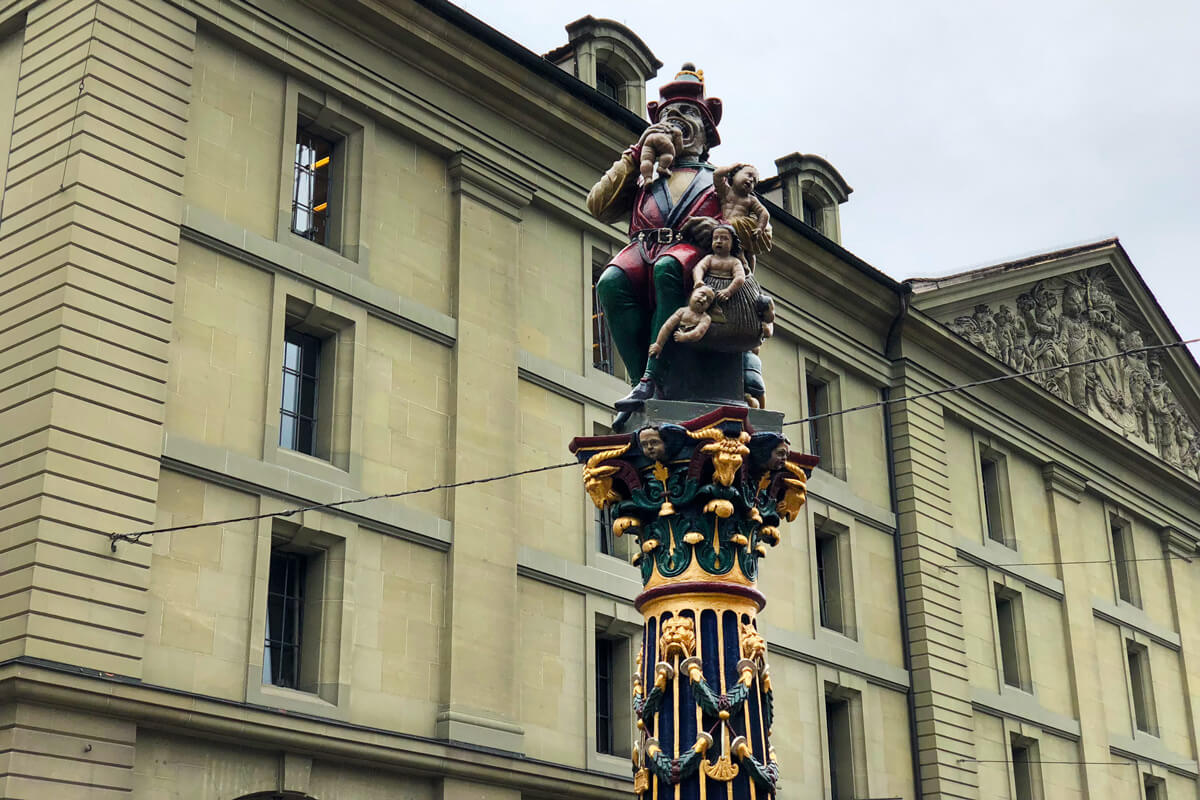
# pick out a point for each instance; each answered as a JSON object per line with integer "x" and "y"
{"x": 632, "y": 325}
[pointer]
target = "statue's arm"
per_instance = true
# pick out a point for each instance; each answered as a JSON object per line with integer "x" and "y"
{"x": 696, "y": 333}
{"x": 764, "y": 216}
{"x": 611, "y": 199}
{"x": 664, "y": 333}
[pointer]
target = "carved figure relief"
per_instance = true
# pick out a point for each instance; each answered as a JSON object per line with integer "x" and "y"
{"x": 1074, "y": 319}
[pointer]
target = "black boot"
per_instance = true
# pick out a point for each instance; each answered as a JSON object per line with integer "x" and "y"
{"x": 646, "y": 389}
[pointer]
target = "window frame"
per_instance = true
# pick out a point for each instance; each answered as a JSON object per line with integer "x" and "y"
{"x": 833, "y": 595}
{"x": 1126, "y": 586}
{"x": 604, "y": 356}
{"x": 824, "y": 435}
{"x": 324, "y": 653}
{"x": 1143, "y": 713}
{"x": 995, "y": 514}
{"x": 337, "y": 324}
{"x": 851, "y": 771}
{"x": 1012, "y": 646}
{"x": 323, "y": 114}
{"x": 320, "y": 168}
{"x": 1031, "y": 763}
{"x": 621, "y": 626}
{"x": 307, "y": 377}
{"x": 290, "y": 637}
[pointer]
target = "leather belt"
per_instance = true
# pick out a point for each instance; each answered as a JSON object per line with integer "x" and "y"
{"x": 658, "y": 236}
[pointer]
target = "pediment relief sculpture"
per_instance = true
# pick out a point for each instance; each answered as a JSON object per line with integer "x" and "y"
{"x": 1075, "y": 318}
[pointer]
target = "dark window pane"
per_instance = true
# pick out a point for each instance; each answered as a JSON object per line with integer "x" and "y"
{"x": 308, "y": 398}
{"x": 305, "y": 436}
{"x": 310, "y": 352}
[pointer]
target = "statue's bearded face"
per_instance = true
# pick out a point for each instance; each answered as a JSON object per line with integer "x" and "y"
{"x": 688, "y": 119}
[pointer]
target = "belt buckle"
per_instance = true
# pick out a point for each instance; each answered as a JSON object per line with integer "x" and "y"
{"x": 665, "y": 235}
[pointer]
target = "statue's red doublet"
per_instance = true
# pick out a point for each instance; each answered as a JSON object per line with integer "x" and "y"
{"x": 653, "y": 208}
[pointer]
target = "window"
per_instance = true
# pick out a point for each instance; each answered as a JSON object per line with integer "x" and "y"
{"x": 608, "y": 84}
{"x": 1026, "y": 777}
{"x": 818, "y": 403}
{"x": 285, "y": 619}
{"x": 298, "y": 407}
{"x": 295, "y": 619}
{"x": 299, "y": 614}
{"x": 840, "y": 738}
{"x": 604, "y": 696}
{"x": 316, "y": 386}
{"x": 1156, "y": 788}
{"x": 822, "y": 397}
{"x": 814, "y": 214}
{"x": 1123, "y": 561}
{"x": 1141, "y": 688}
{"x": 312, "y": 184}
{"x": 321, "y": 177}
{"x": 603, "y": 354}
{"x": 614, "y": 711}
{"x": 1010, "y": 631}
{"x": 834, "y": 586}
{"x": 993, "y": 478}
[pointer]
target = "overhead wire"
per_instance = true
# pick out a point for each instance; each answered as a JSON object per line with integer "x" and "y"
{"x": 135, "y": 536}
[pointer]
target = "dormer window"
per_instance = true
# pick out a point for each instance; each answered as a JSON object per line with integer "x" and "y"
{"x": 610, "y": 58}
{"x": 812, "y": 190}
{"x": 814, "y": 215}
{"x": 608, "y": 84}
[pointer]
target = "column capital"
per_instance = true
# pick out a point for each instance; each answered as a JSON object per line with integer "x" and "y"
{"x": 1064, "y": 480}
{"x": 1176, "y": 543}
{"x": 485, "y": 181}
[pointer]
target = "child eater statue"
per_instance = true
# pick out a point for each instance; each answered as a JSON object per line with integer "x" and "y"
{"x": 696, "y": 484}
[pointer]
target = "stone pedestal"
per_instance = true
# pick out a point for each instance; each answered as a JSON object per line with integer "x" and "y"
{"x": 704, "y": 376}
{"x": 704, "y": 498}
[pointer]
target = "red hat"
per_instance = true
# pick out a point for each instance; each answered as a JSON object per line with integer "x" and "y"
{"x": 688, "y": 87}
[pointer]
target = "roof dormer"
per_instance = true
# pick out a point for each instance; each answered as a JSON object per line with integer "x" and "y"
{"x": 610, "y": 58}
{"x": 812, "y": 190}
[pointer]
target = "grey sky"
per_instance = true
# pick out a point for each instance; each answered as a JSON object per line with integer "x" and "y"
{"x": 972, "y": 132}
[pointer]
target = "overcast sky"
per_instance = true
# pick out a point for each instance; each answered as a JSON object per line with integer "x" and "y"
{"x": 972, "y": 132}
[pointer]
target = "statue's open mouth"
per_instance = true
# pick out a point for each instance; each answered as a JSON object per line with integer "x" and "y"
{"x": 687, "y": 129}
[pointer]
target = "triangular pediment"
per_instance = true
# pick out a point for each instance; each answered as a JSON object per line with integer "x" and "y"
{"x": 1086, "y": 302}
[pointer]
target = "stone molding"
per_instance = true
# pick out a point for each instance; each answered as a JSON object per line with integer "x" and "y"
{"x": 834, "y": 651}
{"x": 489, "y": 183}
{"x": 1017, "y": 704}
{"x": 1136, "y": 621}
{"x": 1176, "y": 543}
{"x": 244, "y": 473}
{"x": 1064, "y": 480}
{"x": 1074, "y": 317}
{"x": 322, "y": 268}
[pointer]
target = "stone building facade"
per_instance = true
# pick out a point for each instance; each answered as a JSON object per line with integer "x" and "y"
{"x": 260, "y": 256}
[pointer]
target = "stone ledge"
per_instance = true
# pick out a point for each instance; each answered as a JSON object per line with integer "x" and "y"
{"x": 251, "y": 475}
{"x": 1021, "y": 705}
{"x": 1144, "y": 747}
{"x": 331, "y": 272}
{"x": 997, "y": 556}
{"x": 595, "y": 389}
{"x": 457, "y": 726}
{"x": 192, "y": 715}
{"x": 846, "y": 655}
{"x": 579, "y": 578}
{"x": 1130, "y": 616}
{"x": 837, "y": 492}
